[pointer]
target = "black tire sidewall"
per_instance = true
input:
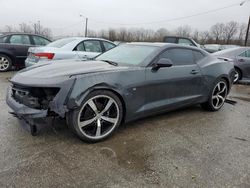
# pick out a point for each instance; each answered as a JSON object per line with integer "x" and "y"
{"x": 73, "y": 116}
{"x": 10, "y": 63}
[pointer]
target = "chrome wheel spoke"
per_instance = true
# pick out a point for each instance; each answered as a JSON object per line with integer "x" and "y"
{"x": 222, "y": 98}
{"x": 87, "y": 122}
{"x": 100, "y": 123}
{"x": 98, "y": 129}
{"x": 92, "y": 105}
{"x": 219, "y": 94}
{"x": 109, "y": 119}
{"x": 223, "y": 89}
{"x": 108, "y": 105}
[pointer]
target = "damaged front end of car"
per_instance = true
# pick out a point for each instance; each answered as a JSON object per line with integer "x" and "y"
{"x": 32, "y": 103}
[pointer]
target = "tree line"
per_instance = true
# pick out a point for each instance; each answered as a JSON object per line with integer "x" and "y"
{"x": 33, "y": 28}
{"x": 220, "y": 33}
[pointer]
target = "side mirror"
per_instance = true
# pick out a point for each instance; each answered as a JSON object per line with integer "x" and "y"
{"x": 163, "y": 62}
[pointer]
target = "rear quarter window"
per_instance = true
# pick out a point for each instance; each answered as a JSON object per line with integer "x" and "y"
{"x": 198, "y": 55}
{"x": 3, "y": 39}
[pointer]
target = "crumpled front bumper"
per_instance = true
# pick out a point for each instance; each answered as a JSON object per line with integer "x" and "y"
{"x": 23, "y": 111}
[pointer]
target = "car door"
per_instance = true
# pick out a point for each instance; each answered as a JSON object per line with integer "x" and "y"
{"x": 175, "y": 86}
{"x": 19, "y": 44}
{"x": 243, "y": 61}
{"x": 89, "y": 49}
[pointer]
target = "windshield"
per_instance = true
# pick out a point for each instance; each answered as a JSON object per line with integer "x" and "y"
{"x": 61, "y": 42}
{"x": 128, "y": 54}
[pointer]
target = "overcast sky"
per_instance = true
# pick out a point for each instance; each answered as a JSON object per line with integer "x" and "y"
{"x": 62, "y": 16}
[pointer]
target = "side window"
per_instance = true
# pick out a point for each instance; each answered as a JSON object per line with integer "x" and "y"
{"x": 245, "y": 54}
{"x": 80, "y": 47}
{"x": 170, "y": 39}
{"x": 20, "y": 39}
{"x": 39, "y": 41}
{"x": 108, "y": 45}
{"x": 198, "y": 56}
{"x": 92, "y": 46}
{"x": 3, "y": 39}
{"x": 179, "y": 56}
{"x": 185, "y": 42}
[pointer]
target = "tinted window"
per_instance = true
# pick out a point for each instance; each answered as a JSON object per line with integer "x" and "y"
{"x": 39, "y": 41}
{"x": 245, "y": 54}
{"x": 198, "y": 55}
{"x": 170, "y": 39}
{"x": 108, "y": 45}
{"x": 3, "y": 39}
{"x": 179, "y": 56}
{"x": 20, "y": 39}
{"x": 92, "y": 46}
{"x": 185, "y": 42}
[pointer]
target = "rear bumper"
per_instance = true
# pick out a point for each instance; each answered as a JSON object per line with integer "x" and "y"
{"x": 29, "y": 63}
{"x": 23, "y": 111}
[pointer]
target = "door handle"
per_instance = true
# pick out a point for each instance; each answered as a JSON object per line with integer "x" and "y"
{"x": 194, "y": 72}
{"x": 241, "y": 60}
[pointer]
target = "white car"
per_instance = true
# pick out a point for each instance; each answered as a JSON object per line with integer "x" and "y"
{"x": 68, "y": 48}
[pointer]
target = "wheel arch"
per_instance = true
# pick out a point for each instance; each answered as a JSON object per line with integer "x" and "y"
{"x": 11, "y": 56}
{"x": 72, "y": 104}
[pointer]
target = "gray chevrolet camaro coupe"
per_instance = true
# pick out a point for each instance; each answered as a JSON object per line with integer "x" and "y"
{"x": 131, "y": 81}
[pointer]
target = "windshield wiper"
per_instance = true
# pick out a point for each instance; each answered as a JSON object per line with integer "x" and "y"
{"x": 110, "y": 62}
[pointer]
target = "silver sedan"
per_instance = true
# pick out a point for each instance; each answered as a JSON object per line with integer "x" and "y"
{"x": 68, "y": 48}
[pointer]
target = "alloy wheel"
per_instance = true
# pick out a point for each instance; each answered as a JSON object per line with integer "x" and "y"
{"x": 236, "y": 76}
{"x": 4, "y": 63}
{"x": 219, "y": 95}
{"x": 98, "y": 117}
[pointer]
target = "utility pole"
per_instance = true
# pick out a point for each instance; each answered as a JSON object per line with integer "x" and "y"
{"x": 86, "y": 27}
{"x": 247, "y": 34}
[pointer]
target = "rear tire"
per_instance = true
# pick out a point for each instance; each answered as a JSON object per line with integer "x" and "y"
{"x": 5, "y": 63}
{"x": 217, "y": 97}
{"x": 237, "y": 76}
{"x": 98, "y": 117}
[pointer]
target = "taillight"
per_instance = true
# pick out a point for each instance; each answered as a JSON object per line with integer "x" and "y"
{"x": 45, "y": 55}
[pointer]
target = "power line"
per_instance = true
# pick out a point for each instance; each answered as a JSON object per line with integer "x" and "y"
{"x": 156, "y": 22}
{"x": 173, "y": 19}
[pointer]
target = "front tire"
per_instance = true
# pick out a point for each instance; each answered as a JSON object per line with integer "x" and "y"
{"x": 98, "y": 117}
{"x": 5, "y": 63}
{"x": 217, "y": 96}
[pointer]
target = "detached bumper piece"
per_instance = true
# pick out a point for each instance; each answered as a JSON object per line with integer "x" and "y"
{"x": 29, "y": 104}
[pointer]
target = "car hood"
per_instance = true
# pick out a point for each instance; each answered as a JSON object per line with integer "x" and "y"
{"x": 67, "y": 68}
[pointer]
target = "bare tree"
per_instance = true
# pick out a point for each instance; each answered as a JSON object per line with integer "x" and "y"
{"x": 242, "y": 33}
{"x": 23, "y": 27}
{"x": 230, "y": 31}
{"x": 204, "y": 36}
{"x": 217, "y": 32}
{"x": 9, "y": 28}
{"x": 183, "y": 31}
{"x": 161, "y": 33}
{"x": 196, "y": 35}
